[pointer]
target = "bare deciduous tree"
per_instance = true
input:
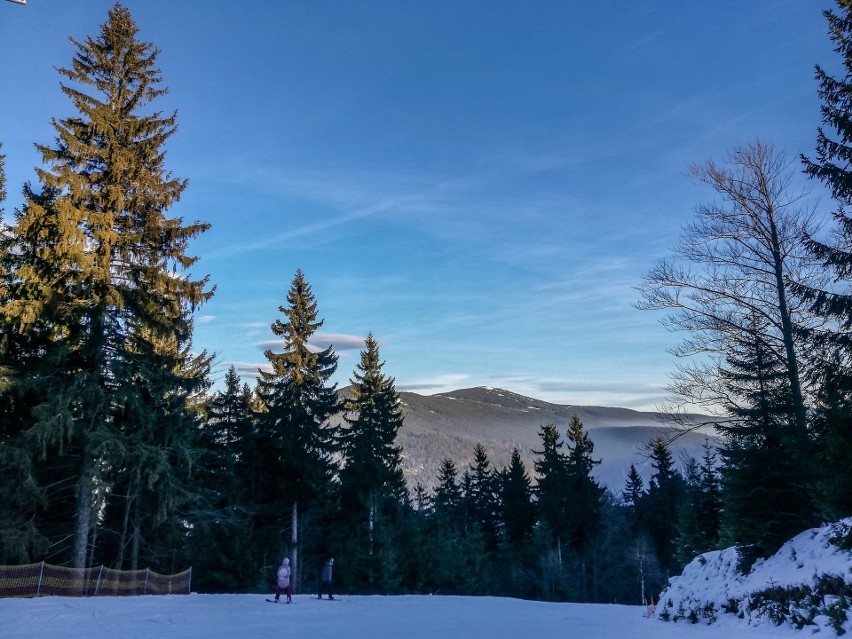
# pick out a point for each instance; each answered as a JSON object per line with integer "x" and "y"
{"x": 729, "y": 279}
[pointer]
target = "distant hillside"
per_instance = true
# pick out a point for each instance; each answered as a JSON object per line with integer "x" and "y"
{"x": 451, "y": 424}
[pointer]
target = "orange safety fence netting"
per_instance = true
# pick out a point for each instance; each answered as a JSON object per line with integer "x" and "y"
{"x": 32, "y": 580}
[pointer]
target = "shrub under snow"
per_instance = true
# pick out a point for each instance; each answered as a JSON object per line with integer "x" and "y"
{"x": 807, "y": 583}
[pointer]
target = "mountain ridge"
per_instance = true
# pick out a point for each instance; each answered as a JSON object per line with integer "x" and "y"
{"x": 450, "y": 424}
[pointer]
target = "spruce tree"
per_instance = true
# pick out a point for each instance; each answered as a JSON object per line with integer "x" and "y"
{"x": 421, "y": 499}
{"x": 641, "y": 556}
{"x": 832, "y": 426}
{"x": 586, "y": 494}
{"x": 221, "y": 524}
{"x": 584, "y": 511}
{"x": 372, "y": 485}
{"x": 446, "y": 547}
{"x": 834, "y": 140}
{"x": 296, "y": 439}
{"x": 228, "y": 422}
{"x": 372, "y": 462}
{"x": 446, "y": 496}
{"x": 831, "y": 166}
{"x": 472, "y": 544}
{"x": 710, "y": 500}
{"x": 700, "y": 506}
{"x": 661, "y": 506}
{"x": 20, "y": 495}
{"x": 483, "y": 496}
{"x": 516, "y": 508}
{"x": 766, "y": 490}
{"x": 100, "y": 326}
{"x": 633, "y": 487}
{"x": 552, "y": 490}
{"x": 467, "y": 504}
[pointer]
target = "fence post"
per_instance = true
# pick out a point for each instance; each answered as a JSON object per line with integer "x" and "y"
{"x": 40, "y": 575}
{"x": 98, "y": 584}
{"x": 145, "y": 590}
{"x": 189, "y": 585}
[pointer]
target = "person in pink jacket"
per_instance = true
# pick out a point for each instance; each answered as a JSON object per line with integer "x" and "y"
{"x": 283, "y": 581}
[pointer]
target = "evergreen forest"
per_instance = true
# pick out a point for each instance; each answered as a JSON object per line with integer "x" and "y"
{"x": 116, "y": 450}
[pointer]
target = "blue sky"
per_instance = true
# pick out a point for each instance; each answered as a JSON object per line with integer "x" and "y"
{"x": 480, "y": 184}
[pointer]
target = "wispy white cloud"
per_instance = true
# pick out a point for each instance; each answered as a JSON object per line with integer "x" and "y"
{"x": 249, "y": 369}
{"x": 254, "y": 325}
{"x": 438, "y": 384}
{"x": 339, "y": 341}
{"x": 349, "y": 197}
{"x": 206, "y": 319}
{"x": 271, "y": 345}
{"x": 320, "y": 342}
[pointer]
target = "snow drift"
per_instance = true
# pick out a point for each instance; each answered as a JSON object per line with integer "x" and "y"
{"x": 808, "y": 582}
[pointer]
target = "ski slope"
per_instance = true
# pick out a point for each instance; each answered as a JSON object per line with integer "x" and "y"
{"x": 707, "y": 583}
{"x": 401, "y": 617}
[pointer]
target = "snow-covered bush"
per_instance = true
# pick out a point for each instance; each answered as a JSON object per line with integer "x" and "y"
{"x": 808, "y": 582}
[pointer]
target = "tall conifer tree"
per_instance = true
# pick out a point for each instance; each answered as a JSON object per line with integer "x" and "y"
{"x": 295, "y": 437}
{"x": 372, "y": 487}
{"x": 831, "y": 166}
{"x": 552, "y": 491}
{"x": 662, "y": 503}
{"x": 20, "y": 496}
{"x": 101, "y": 289}
{"x": 372, "y": 469}
{"x": 221, "y": 527}
{"x": 585, "y": 507}
{"x": 446, "y": 496}
{"x": 586, "y": 494}
{"x": 633, "y": 487}
{"x": 517, "y": 511}
{"x": 700, "y": 507}
{"x": 766, "y": 494}
{"x": 482, "y": 494}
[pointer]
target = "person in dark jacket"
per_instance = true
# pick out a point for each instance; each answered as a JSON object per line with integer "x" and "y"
{"x": 325, "y": 579}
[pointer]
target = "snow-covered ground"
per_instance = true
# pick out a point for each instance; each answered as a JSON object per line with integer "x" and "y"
{"x": 405, "y": 617}
{"x": 799, "y": 584}
{"x": 722, "y": 598}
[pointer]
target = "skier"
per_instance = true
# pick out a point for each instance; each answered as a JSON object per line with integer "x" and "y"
{"x": 283, "y": 581}
{"x": 325, "y": 580}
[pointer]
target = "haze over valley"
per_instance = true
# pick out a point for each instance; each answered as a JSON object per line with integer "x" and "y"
{"x": 449, "y": 425}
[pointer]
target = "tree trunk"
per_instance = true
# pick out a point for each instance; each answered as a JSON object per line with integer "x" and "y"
{"x": 83, "y": 512}
{"x": 122, "y": 538}
{"x": 295, "y": 568}
{"x": 137, "y": 531}
{"x": 787, "y": 330}
{"x": 129, "y": 499}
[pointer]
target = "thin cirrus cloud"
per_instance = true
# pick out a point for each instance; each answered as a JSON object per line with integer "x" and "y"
{"x": 351, "y": 202}
{"x": 352, "y": 196}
